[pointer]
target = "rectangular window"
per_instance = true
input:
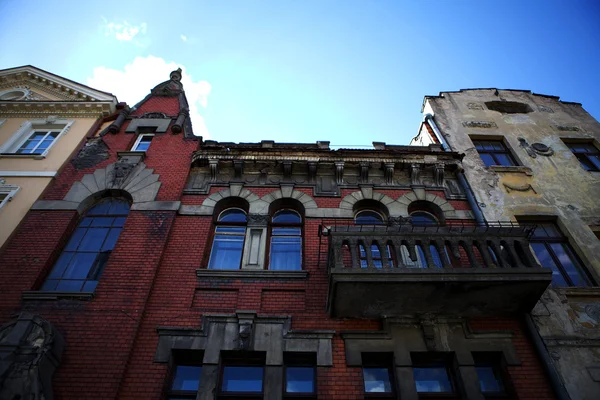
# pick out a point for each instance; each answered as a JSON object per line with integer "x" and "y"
{"x": 242, "y": 375}
{"x": 377, "y": 375}
{"x": 433, "y": 375}
{"x": 142, "y": 143}
{"x": 587, "y": 154}
{"x": 553, "y": 251}
{"x": 300, "y": 375}
{"x": 494, "y": 152}
{"x": 35, "y": 138}
{"x": 7, "y": 192}
{"x": 186, "y": 375}
{"x": 38, "y": 142}
{"x": 491, "y": 375}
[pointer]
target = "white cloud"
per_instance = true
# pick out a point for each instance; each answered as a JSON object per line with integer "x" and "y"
{"x": 184, "y": 38}
{"x": 125, "y": 31}
{"x": 136, "y": 79}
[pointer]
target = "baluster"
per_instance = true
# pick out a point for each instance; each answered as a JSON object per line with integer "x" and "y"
{"x": 368, "y": 254}
{"x": 337, "y": 248}
{"x": 397, "y": 249}
{"x": 454, "y": 249}
{"x": 412, "y": 253}
{"x": 354, "y": 256}
{"x": 385, "y": 260}
{"x": 495, "y": 245}
{"x": 514, "y": 255}
{"x": 529, "y": 258}
{"x": 441, "y": 248}
{"x": 471, "y": 254}
{"x": 428, "y": 257}
{"x": 483, "y": 250}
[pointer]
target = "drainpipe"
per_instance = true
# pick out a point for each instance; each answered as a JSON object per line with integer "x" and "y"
{"x": 559, "y": 389}
{"x": 460, "y": 174}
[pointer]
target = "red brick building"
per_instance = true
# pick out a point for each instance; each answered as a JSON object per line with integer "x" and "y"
{"x": 159, "y": 265}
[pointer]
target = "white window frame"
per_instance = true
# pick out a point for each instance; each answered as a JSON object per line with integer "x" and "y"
{"x": 13, "y": 144}
{"x": 9, "y": 190}
{"x": 139, "y": 139}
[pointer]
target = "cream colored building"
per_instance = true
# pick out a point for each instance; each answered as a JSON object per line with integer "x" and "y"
{"x": 535, "y": 159}
{"x": 43, "y": 120}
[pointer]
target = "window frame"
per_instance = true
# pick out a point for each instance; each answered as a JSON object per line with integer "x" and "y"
{"x": 9, "y": 190}
{"x": 363, "y": 210}
{"x": 285, "y": 225}
{"x": 183, "y": 394}
{"x": 301, "y": 360}
{"x": 139, "y": 139}
{"x": 216, "y": 225}
{"x": 506, "y": 150}
{"x": 379, "y": 360}
{"x": 430, "y": 360}
{"x": 579, "y": 155}
{"x": 12, "y": 145}
{"x": 496, "y": 361}
{"x": 562, "y": 239}
{"x": 251, "y": 360}
{"x": 97, "y": 267}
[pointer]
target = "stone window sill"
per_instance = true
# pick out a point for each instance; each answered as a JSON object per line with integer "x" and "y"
{"x": 580, "y": 291}
{"x": 514, "y": 169}
{"x": 250, "y": 274}
{"x": 41, "y": 295}
{"x": 14, "y": 155}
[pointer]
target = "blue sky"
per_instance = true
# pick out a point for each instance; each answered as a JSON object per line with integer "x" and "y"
{"x": 351, "y": 72}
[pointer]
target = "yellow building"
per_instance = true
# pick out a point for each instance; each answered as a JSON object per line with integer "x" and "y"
{"x": 43, "y": 120}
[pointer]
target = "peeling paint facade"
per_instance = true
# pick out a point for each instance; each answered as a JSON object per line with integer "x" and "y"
{"x": 547, "y": 184}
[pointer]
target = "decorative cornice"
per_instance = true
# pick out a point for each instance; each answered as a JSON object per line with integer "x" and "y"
{"x": 41, "y": 109}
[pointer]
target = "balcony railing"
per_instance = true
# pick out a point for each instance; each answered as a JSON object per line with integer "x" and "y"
{"x": 459, "y": 269}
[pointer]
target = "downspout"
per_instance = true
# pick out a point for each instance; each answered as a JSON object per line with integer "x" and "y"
{"x": 559, "y": 388}
{"x": 557, "y": 385}
{"x": 460, "y": 174}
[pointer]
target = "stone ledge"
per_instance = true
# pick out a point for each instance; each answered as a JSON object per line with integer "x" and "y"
{"x": 249, "y": 274}
{"x": 519, "y": 169}
{"x": 156, "y": 206}
{"x": 42, "y": 295}
{"x": 60, "y": 205}
{"x": 580, "y": 291}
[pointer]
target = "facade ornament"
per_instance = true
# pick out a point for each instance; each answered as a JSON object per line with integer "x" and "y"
{"x": 116, "y": 126}
{"x": 474, "y": 106}
{"x": 287, "y": 170}
{"x": 438, "y": 175}
{"x": 258, "y": 219}
{"x": 388, "y": 173}
{"x": 213, "y": 165}
{"x": 523, "y": 143}
{"x": 399, "y": 221}
{"x": 339, "y": 172}
{"x": 480, "y": 124}
{"x": 568, "y": 128}
{"x": 120, "y": 172}
{"x": 246, "y": 329}
{"x": 542, "y": 149}
{"x": 238, "y": 169}
{"x": 545, "y": 109}
{"x": 154, "y": 115}
{"x": 30, "y": 351}
{"x": 415, "y": 172}
{"x": 364, "y": 171}
{"x": 312, "y": 171}
{"x": 178, "y": 125}
{"x": 518, "y": 188}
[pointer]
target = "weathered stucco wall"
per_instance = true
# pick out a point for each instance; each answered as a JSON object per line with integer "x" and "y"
{"x": 543, "y": 186}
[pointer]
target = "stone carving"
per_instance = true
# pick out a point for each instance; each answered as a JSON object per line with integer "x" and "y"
{"x": 438, "y": 175}
{"x": 523, "y": 143}
{"x": 479, "y": 124}
{"x": 568, "y": 128}
{"x": 154, "y": 115}
{"x": 415, "y": 179}
{"x": 181, "y": 118}
{"x": 238, "y": 168}
{"x": 30, "y": 351}
{"x": 364, "y": 172}
{"x": 213, "y": 165}
{"x": 94, "y": 152}
{"x": 389, "y": 173}
{"x": 120, "y": 172}
{"x": 172, "y": 87}
{"x": 339, "y": 172}
{"x": 474, "y": 106}
{"x": 542, "y": 149}
{"x": 593, "y": 311}
{"x": 312, "y": 171}
{"x": 399, "y": 221}
{"x": 545, "y": 109}
{"x": 258, "y": 219}
{"x": 518, "y": 188}
{"x": 116, "y": 126}
{"x": 287, "y": 170}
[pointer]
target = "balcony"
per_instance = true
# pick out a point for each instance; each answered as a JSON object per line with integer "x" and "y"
{"x": 377, "y": 271}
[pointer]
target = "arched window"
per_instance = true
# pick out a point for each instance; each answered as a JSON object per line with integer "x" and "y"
{"x": 368, "y": 217}
{"x": 84, "y": 257}
{"x": 228, "y": 242}
{"x": 423, "y": 218}
{"x": 286, "y": 241}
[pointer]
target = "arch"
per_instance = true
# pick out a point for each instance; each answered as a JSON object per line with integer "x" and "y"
{"x": 367, "y": 195}
{"x": 285, "y": 192}
{"x": 140, "y": 183}
{"x": 209, "y": 204}
{"x": 423, "y": 198}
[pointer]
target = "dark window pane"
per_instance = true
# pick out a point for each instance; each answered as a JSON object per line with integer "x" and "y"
{"x": 286, "y": 253}
{"x": 489, "y": 381}
{"x": 287, "y": 231}
{"x": 93, "y": 239}
{"x": 226, "y": 252}
{"x": 50, "y": 284}
{"x": 568, "y": 261}
{"x": 596, "y": 161}
{"x": 488, "y": 146}
{"x": 546, "y": 260}
{"x": 80, "y": 266}
{"x": 232, "y": 215}
{"x": 61, "y": 265}
{"x": 437, "y": 260}
{"x": 240, "y": 230}
{"x": 69, "y": 285}
{"x": 119, "y": 221}
{"x": 111, "y": 239}
{"x": 187, "y": 377}
{"x": 377, "y": 380}
{"x": 242, "y": 379}
{"x": 299, "y": 379}
{"x": 85, "y": 222}
{"x": 100, "y": 208}
{"x": 102, "y": 222}
{"x": 487, "y": 159}
{"x": 287, "y": 217}
{"x": 478, "y": 145}
{"x": 75, "y": 239}
{"x": 504, "y": 159}
{"x": 422, "y": 218}
{"x": 368, "y": 218}
{"x": 89, "y": 286}
{"x": 118, "y": 207}
{"x": 432, "y": 379}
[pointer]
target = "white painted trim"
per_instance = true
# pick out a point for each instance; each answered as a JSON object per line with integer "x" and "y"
{"x": 25, "y": 130}
{"x": 139, "y": 139}
{"x": 11, "y": 190}
{"x": 48, "y": 174}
